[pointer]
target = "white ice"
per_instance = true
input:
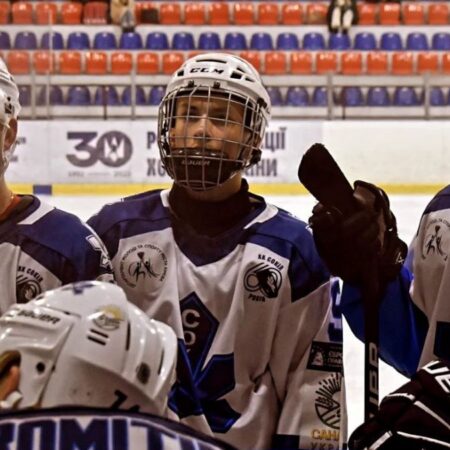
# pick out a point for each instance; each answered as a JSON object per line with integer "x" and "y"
{"x": 407, "y": 210}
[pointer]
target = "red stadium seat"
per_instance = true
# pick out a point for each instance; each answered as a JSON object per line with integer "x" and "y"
{"x": 351, "y": 63}
{"x": 267, "y": 14}
{"x": 389, "y": 14}
{"x": 18, "y": 62}
{"x": 253, "y": 57}
{"x": 402, "y": 63}
{"x": 69, "y": 62}
{"x": 427, "y": 62}
{"x": 147, "y": 63}
{"x": 5, "y": 8}
{"x": 43, "y": 62}
{"x": 22, "y": 13}
{"x": 316, "y": 13}
{"x": 243, "y": 13}
{"x": 71, "y": 13}
{"x": 301, "y": 63}
{"x": 438, "y": 14}
{"x": 275, "y": 63}
{"x": 218, "y": 13}
{"x": 367, "y": 13}
{"x": 413, "y": 14}
{"x": 171, "y": 62}
{"x": 291, "y": 14}
{"x": 46, "y": 13}
{"x": 95, "y": 13}
{"x": 170, "y": 14}
{"x": 121, "y": 63}
{"x": 326, "y": 62}
{"x": 96, "y": 63}
{"x": 446, "y": 63}
{"x": 377, "y": 63}
{"x": 146, "y": 12}
{"x": 194, "y": 14}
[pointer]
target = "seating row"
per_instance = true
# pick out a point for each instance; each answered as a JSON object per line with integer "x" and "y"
{"x": 222, "y": 13}
{"x": 295, "y": 96}
{"x": 269, "y": 63}
{"x": 105, "y": 40}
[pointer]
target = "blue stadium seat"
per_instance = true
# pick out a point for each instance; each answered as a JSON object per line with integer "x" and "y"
{"x": 313, "y": 41}
{"x": 25, "y": 95}
{"x": 261, "y": 41}
{"x": 391, "y": 41}
{"x": 275, "y": 95}
{"x": 25, "y": 40}
{"x": 338, "y": 41}
{"x": 105, "y": 40}
{"x": 140, "y": 96}
{"x": 437, "y": 97}
{"x": 78, "y": 96}
{"x": 441, "y": 41}
{"x": 157, "y": 41}
{"x": 55, "y": 96}
{"x": 448, "y": 97}
{"x": 416, "y": 41}
{"x": 130, "y": 41}
{"x": 5, "y": 41}
{"x": 235, "y": 41}
{"x": 378, "y": 96}
{"x": 320, "y": 96}
{"x": 183, "y": 41}
{"x": 78, "y": 40}
{"x": 156, "y": 95}
{"x": 405, "y": 96}
{"x": 56, "y": 42}
{"x": 287, "y": 41}
{"x": 365, "y": 41}
{"x": 209, "y": 41}
{"x": 352, "y": 96}
{"x": 297, "y": 96}
{"x": 106, "y": 95}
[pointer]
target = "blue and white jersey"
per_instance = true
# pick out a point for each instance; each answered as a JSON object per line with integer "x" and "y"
{"x": 97, "y": 429}
{"x": 260, "y": 355}
{"x": 42, "y": 248}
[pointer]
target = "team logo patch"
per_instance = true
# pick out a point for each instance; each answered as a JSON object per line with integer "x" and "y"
{"x": 109, "y": 318}
{"x": 327, "y": 403}
{"x": 263, "y": 278}
{"x": 28, "y": 284}
{"x": 436, "y": 241}
{"x": 325, "y": 356}
{"x": 143, "y": 262}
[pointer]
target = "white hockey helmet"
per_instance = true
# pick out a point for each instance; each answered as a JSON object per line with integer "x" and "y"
{"x": 212, "y": 76}
{"x": 84, "y": 344}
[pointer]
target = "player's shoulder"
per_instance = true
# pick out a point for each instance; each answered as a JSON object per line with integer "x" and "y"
{"x": 440, "y": 201}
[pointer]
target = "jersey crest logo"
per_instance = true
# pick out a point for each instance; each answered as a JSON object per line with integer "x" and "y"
{"x": 436, "y": 239}
{"x": 264, "y": 279}
{"x": 28, "y": 284}
{"x": 327, "y": 404}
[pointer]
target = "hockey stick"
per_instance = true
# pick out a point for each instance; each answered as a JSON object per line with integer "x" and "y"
{"x": 321, "y": 175}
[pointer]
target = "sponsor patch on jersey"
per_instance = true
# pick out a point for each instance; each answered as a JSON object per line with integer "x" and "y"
{"x": 28, "y": 284}
{"x": 437, "y": 239}
{"x": 325, "y": 356}
{"x": 143, "y": 262}
{"x": 327, "y": 402}
{"x": 264, "y": 279}
{"x": 109, "y": 318}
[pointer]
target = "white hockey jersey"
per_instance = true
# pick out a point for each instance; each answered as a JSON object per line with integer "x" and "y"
{"x": 42, "y": 248}
{"x": 260, "y": 353}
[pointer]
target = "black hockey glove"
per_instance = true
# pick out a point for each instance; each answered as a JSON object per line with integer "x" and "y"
{"x": 415, "y": 417}
{"x": 346, "y": 242}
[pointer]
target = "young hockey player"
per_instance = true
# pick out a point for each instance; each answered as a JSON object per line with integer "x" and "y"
{"x": 40, "y": 247}
{"x": 83, "y": 368}
{"x": 260, "y": 355}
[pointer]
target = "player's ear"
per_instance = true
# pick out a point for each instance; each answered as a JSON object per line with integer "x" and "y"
{"x": 11, "y": 134}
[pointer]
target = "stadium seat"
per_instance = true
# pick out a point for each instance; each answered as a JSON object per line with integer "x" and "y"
{"x": 121, "y": 63}
{"x": 147, "y": 63}
{"x": 157, "y": 41}
{"x": 106, "y": 95}
{"x": 261, "y": 41}
{"x": 105, "y": 40}
{"x": 377, "y": 63}
{"x": 275, "y": 95}
{"x": 316, "y": 13}
{"x": 275, "y": 63}
{"x": 156, "y": 95}
{"x": 416, "y": 41}
{"x": 78, "y": 96}
{"x": 126, "y": 97}
{"x": 22, "y": 13}
{"x": 326, "y": 62}
{"x": 25, "y": 40}
{"x": 96, "y": 63}
{"x": 320, "y": 96}
{"x": 313, "y": 41}
{"x": 267, "y": 14}
{"x": 297, "y": 96}
{"x": 55, "y": 43}
{"x": 253, "y": 57}
{"x": 46, "y": 13}
{"x": 70, "y": 62}
{"x": 291, "y": 14}
{"x": 446, "y": 63}
{"x": 43, "y": 62}
{"x": 78, "y": 40}
{"x": 18, "y": 62}
{"x": 351, "y": 63}
{"x": 243, "y": 13}
{"x": 365, "y": 41}
{"x": 95, "y": 13}
{"x": 194, "y": 14}
{"x": 218, "y": 13}
{"x": 55, "y": 96}
{"x": 235, "y": 41}
{"x": 437, "y": 97}
{"x": 438, "y": 14}
{"x": 301, "y": 63}
{"x": 367, "y": 13}
{"x": 440, "y": 41}
{"x": 389, "y": 13}
{"x": 171, "y": 62}
{"x": 209, "y": 41}
{"x": 287, "y": 41}
{"x": 5, "y": 41}
{"x": 25, "y": 95}
{"x": 146, "y": 12}
{"x": 378, "y": 96}
{"x": 402, "y": 63}
{"x": 391, "y": 41}
{"x": 338, "y": 41}
{"x": 405, "y": 96}
{"x": 5, "y": 8}
{"x": 170, "y": 13}
{"x": 413, "y": 14}
{"x": 71, "y": 13}
{"x": 130, "y": 41}
{"x": 427, "y": 62}
{"x": 352, "y": 96}
{"x": 183, "y": 40}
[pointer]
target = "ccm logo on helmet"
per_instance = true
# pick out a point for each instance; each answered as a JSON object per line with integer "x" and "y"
{"x": 206, "y": 70}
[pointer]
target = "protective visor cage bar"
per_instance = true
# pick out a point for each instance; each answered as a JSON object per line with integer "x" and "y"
{"x": 202, "y": 161}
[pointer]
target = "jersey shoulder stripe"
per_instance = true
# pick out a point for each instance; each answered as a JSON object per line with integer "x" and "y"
{"x": 439, "y": 202}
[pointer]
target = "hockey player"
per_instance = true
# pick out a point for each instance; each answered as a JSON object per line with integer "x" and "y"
{"x": 40, "y": 247}
{"x": 83, "y": 368}
{"x": 260, "y": 356}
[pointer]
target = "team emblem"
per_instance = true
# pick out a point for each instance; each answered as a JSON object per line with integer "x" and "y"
{"x": 263, "y": 278}
{"x": 28, "y": 284}
{"x": 436, "y": 242}
{"x": 109, "y": 318}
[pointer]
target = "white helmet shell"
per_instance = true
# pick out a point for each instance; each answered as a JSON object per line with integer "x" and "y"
{"x": 84, "y": 344}
{"x": 10, "y": 102}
